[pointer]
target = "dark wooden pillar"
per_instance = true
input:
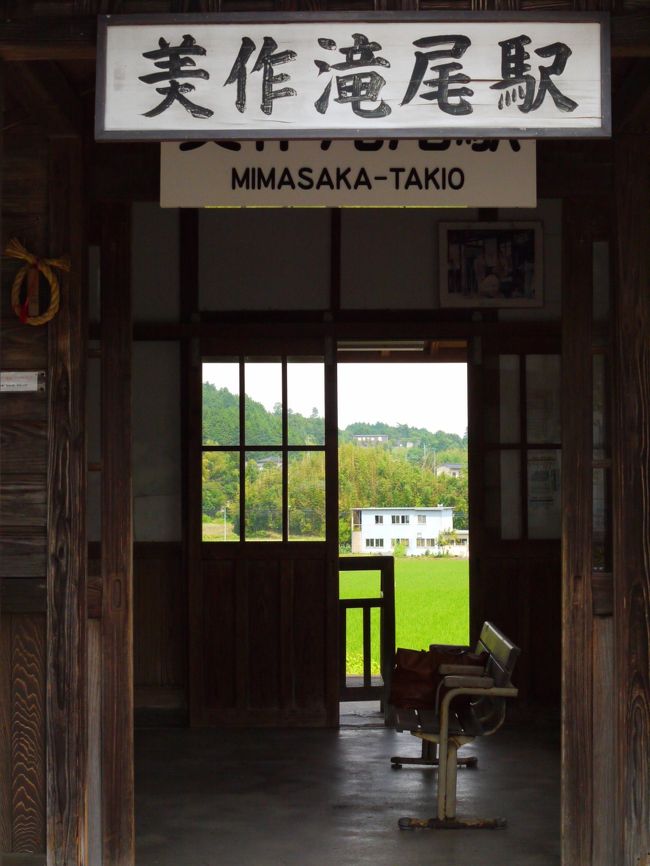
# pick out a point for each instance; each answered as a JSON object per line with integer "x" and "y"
{"x": 631, "y": 700}
{"x": 117, "y": 539}
{"x": 191, "y": 408}
{"x": 588, "y": 744}
{"x": 66, "y": 484}
{"x": 577, "y": 694}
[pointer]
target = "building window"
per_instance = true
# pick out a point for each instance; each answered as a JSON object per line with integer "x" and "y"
{"x": 379, "y": 518}
{"x": 374, "y": 542}
{"x": 422, "y": 518}
{"x": 425, "y": 542}
{"x": 399, "y": 518}
{"x": 400, "y": 541}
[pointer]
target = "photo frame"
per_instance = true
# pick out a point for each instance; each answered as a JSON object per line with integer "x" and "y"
{"x": 485, "y": 264}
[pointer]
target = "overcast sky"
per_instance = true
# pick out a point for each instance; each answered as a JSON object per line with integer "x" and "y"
{"x": 433, "y": 396}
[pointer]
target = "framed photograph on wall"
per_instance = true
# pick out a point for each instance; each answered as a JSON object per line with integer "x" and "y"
{"x": 491, "y": 264}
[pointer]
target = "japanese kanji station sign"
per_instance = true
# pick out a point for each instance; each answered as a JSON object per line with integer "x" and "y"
{"x": 264, "y": 76}
{"x": 361, "y": 173}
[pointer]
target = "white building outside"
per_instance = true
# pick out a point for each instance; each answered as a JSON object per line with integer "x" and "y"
{"x": 453, "y": 469}
{"x": 380, "y": 530}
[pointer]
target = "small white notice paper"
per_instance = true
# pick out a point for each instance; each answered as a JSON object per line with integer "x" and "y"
{"x": 14, "y": 381}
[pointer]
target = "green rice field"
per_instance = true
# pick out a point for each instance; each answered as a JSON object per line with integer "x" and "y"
{"x": 431, "y": 606}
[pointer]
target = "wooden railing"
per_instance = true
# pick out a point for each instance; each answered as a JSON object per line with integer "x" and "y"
{"x": 386, "y": 605}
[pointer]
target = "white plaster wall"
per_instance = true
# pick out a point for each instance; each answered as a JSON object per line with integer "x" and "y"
{"x": 277, "y": 259}
{"x": 156, "y": 442}
{"x": 154, "y": 263}
{"x": 389, "y": 257}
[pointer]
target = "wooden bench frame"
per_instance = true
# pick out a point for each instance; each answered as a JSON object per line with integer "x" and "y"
{"x": 448, "y": 730}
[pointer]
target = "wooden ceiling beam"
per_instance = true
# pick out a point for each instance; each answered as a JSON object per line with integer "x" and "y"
{"x": 49, "y": 38}
{"x": 45, "y": 94}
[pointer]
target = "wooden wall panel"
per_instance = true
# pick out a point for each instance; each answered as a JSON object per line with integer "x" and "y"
{"x": 24, "y": 190}
{"x": 263, "y": 578}
{"x": 26, "y": 196}
{"x": 23, "y": 595}
{"x": 95, "y": 853}
{"x": 263, "y": 659}
{"x": 218, "y": 681}
{"x": 66, "y": 573}
{"x": 28, "y": 733}
{"x": 521, "y": 595}
{"x": 24, "y": 447}
{"x": 632, "y": 496}
{"x": 308, "y": 645}
{"x": 604, "y": 743}
{"x": 23, "y": 347}
{"x": 6, "y": 811}
{"x": 23, "y": 407}
{"x": 159, "y": 633}
{"x": 148, "y": 603}
{"x": 22, "y": 733}
{"x": 588, "y": 753}
{"x": 23, "y": 501}
{"x": 23, "y": 430}
{"x": 22, "y": 554}
{"x": 545, "y": 577}
{"x": 117, "y": 540}
{"x": 173, "y": 625}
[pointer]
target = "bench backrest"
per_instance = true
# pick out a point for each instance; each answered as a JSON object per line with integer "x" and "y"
{"x": 503, "y": 654}
{"x": 485, "y": 715}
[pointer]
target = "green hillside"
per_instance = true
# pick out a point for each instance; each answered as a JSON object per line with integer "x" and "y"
{"x": 387, "y": 475}
{"x": 221, "y": 421}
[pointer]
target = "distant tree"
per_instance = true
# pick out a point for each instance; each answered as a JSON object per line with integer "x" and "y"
{"x": 447, "y": 537}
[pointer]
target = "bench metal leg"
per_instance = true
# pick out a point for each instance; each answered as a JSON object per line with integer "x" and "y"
{"x": 446, "y": 800}
{"x": 450, "y": 784}
{"x": 429, "y": 758}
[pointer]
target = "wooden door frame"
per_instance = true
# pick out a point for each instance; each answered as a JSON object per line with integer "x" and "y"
{"x": 239, "y": 348}
{"x": 117, "y": 759}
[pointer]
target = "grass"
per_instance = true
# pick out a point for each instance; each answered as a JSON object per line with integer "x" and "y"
{"x": 431, "y": 606}
{"x": 215, "y": 532}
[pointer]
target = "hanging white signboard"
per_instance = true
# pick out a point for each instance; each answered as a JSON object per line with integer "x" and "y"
{"x": 362, "y": 173}
{"x": 348, "y": 76}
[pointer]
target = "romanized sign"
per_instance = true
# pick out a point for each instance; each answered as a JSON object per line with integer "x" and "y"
{"x": 362, "y": 173}
{"x": 383, "y": 75}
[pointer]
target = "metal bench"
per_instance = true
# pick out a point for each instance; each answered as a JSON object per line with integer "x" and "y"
{"x": 454, "y": 723}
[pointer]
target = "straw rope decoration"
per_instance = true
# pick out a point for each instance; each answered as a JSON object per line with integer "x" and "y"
{"x": 30, "y": 270}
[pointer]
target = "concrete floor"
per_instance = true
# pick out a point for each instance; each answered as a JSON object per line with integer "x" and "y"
{"x": 330, "y": 798}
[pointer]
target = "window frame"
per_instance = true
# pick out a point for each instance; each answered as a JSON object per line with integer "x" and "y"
{"x": 284, "y": 449}
{"x": 523, "y": 446}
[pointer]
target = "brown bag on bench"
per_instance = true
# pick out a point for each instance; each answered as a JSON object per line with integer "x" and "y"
{"x": 415, "y": 676}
